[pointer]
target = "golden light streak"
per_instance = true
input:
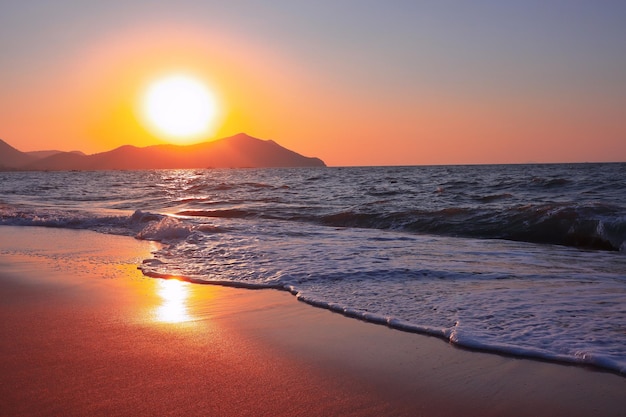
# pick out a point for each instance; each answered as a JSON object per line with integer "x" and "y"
{"x": 174, "y": 295}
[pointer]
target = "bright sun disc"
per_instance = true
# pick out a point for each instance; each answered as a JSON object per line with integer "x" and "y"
{"x": 179, "y": 107}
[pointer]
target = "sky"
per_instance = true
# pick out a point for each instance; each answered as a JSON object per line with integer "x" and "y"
{"x": 354, "y": 82}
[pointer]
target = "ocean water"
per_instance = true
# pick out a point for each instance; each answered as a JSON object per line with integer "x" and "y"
{"x": 528, "y": 260}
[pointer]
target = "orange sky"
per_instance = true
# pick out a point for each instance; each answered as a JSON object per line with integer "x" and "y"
{"x": 341, "y": 89}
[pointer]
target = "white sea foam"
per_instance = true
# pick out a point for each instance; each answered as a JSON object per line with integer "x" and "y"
{"x": 539, "y": 301}
{"x": 166, "y": 229}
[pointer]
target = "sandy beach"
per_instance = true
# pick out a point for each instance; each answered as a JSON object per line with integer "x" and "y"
{"x": 83, "y": 332}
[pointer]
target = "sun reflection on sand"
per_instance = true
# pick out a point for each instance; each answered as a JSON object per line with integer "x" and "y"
{"x": 174, "y": 295}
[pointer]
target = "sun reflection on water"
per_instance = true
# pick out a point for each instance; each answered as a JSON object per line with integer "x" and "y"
{"x": 174, "y": 295}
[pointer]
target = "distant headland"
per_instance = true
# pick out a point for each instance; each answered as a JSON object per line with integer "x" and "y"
{"x": 239, "y": 151}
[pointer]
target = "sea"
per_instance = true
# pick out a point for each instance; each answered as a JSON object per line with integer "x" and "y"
{"x": 522, "y": 260}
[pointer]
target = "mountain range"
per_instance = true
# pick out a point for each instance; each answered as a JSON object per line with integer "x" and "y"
{"x": 239, "y": 151}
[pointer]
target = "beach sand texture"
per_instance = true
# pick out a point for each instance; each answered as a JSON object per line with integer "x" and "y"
{"x": 82, "y": 332}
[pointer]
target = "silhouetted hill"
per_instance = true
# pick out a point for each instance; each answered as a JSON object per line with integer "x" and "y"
{"x": 239, "y": 151}
{"x": 11, "y": 158}
{"x": 45, "y": 154}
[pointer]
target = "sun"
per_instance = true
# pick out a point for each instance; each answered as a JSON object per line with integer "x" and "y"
{"x": 179, "y": 107}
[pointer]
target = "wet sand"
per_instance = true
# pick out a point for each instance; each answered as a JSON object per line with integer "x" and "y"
{"x": 82, "y": 332}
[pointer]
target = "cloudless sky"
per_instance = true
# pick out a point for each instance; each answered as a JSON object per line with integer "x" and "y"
{"x": 352, "y": 82}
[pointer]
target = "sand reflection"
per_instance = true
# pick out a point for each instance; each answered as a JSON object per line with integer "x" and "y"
{"x": 174, "y": 295}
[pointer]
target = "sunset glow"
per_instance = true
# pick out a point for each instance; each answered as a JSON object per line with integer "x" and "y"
{"x": 179, "y": 107}
{"x": 387, "y": 84}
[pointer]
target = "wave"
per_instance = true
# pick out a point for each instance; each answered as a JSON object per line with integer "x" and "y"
{"x": 550, "y": 182}
{"x": 591, "y": 226}
{"x": 224, "y": 213}
{"x": 141, "y": 225}
{"x": 113, "y": 224}
{"x": 492, "y": 197}
{"x": 595, "y": 226}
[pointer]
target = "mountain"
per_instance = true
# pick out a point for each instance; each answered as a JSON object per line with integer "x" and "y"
{"x": 239, "y": 151}
{"x": 11, "y": 158}
{"x": 45, "y": 154}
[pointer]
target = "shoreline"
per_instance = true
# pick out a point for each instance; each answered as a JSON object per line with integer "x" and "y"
{"x": 397, "y": 325}
{"x": 84, "y": 332}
